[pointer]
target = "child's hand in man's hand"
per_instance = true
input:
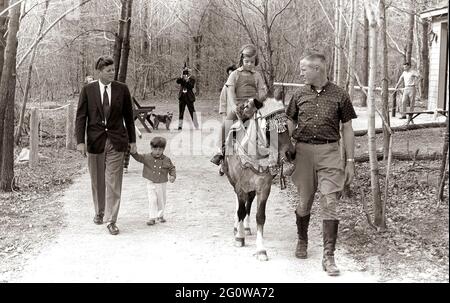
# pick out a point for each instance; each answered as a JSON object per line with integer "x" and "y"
{"x": 171, "y": 179}
{"x": 133, "y": 148}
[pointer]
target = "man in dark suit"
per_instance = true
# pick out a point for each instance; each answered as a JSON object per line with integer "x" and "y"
{"x": 105, "y": 117}
{"x": 186, "y": 97}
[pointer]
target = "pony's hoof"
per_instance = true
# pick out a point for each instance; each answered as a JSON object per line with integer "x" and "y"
{"x": 240, "y": 242}
{"x": 262, "y": 255}
{"x": 234, "y": 231}
{"x": 248, "y": 231}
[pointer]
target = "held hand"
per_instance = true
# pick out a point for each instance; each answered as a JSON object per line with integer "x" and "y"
{"x": 133, "y": 148}
{"x": 82, "y": 149}
{"x": 349, "y": 172}
{"x": 171, "y": 179}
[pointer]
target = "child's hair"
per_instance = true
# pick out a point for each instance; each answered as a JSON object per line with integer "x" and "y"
{"x": 248, "y": 51}
{"x": 158, "y": 142}
{"x": 231, "y": 68}
{"x": 103, "y": 61}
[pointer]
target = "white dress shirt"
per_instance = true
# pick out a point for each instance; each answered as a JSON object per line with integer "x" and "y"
{"x": 108, "y": 91}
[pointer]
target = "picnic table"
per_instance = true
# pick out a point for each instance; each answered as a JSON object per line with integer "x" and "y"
{"x": 412, "y": 115}
{"x": 143, "y": 114}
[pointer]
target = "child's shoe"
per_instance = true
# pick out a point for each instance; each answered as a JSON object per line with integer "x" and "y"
{"x": 151, "y": 222}
{"x": 161, "y": 219}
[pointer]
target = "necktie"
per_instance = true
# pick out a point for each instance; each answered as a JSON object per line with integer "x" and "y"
{"x": 105, "y": 104}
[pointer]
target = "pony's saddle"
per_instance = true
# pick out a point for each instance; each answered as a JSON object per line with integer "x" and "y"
{"x": 255, "y": 141}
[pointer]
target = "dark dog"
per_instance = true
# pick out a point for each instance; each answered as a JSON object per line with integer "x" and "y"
{"x": 158, "y": 118}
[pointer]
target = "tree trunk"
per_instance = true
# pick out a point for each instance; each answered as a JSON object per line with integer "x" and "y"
{"x": 352, "y": 50}
{"x": 339, "y": 22}
{"x": 337, "y": 53}
{"x": 7, "y": 172}
{"x": 198, "y": 57}
{"x": 425, "y": 58}
{"x": 399, "y": 156}
{"x": 359, "y": 133}
{"x": 28, "y": 83}
{"x": 410, "y": 37}
{"x": 125, "y": 43}
{"x": 3, "y": 28}
{"x": 7, "y": 83}
{"x": 375, "y": 184}
{"x": 443, "y": 164}
{"x": 384, "y": 79}
{"x": 365, "y": 58}
{"x": 269, "y": 50}
{"x": 340, "y": 47}
{"x": 119, "y": 39}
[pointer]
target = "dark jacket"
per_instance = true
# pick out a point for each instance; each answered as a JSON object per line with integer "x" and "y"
{"x": 90, "y": 118}
{"x": 188, "y": 85}
{"x": 155, "y": 169}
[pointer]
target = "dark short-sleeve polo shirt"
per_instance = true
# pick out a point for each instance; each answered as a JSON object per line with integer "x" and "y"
{"x": 317, "y": 114}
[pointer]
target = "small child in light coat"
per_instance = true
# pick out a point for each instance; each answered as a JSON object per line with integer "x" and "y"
{"x": 157, "y": 167}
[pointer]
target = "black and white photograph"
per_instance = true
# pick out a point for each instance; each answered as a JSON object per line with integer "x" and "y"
{"x": 209, "y": 142}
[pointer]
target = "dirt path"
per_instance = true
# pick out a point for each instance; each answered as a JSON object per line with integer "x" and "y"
{"x": 196, "y": 243}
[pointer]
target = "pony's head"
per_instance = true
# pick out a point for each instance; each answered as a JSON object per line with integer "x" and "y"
{"x": 246, "y": 110}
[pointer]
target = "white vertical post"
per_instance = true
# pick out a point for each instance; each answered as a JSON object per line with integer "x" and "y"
{"x": 34, "y": 137}
{"x": 70, "y": 138}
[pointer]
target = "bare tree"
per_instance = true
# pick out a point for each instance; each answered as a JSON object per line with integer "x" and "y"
{"x": 125, "y": 48}
{"x": 410, "y": 36}
{"x": 7, "y": 91}
{"x": 352, "y": 49}
{"x": 384, "y": 79}
{"x": 425, "y": 55}
{"x": 442, "y": 177}
{"x": 28, "y": 83}
{"x": 365, "y": 54}
{"x": 372, "y": 16}
{"x": 266, "y": 17}
{"x": 3, "y": 27}
{"x": 339, "y": 44}
{"x": 119, "y": 38}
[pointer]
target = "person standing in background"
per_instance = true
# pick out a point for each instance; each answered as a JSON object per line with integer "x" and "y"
{"x": 411, "y": 79}
{"x": 186, "y": 97}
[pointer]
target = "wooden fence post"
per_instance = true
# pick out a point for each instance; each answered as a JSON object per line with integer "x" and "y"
{"x": 70, "y": 136}
{"x": 34, "y": 137}
{"x": 394, "y": 103}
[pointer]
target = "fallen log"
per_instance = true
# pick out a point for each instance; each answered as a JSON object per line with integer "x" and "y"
{"x": 359, "y": 133}
{"x": 400, "y": 156}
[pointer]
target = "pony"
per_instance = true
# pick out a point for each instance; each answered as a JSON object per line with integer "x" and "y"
{"x": 255, "y": 148}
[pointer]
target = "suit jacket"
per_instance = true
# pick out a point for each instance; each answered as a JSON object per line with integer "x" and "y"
{"x": 90, "y": 118}
{"x": 189, "y": 86}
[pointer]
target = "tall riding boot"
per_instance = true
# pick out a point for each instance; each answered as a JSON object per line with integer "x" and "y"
{"x": 302, "y": 231}
{"x": 330, "y": 229}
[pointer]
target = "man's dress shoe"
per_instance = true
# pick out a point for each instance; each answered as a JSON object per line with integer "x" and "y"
{"x": 113, "y": 229}
{"x": 98, "y": 219}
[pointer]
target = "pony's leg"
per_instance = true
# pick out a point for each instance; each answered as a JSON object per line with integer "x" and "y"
{"x": 248, "y": 207}
{"x": 240, "y": 233}
{"x": 262, "y": 197}
{"x": 236, "y": 219}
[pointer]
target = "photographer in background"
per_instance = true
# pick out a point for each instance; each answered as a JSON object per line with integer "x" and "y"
{"x": 186, "y": 97}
